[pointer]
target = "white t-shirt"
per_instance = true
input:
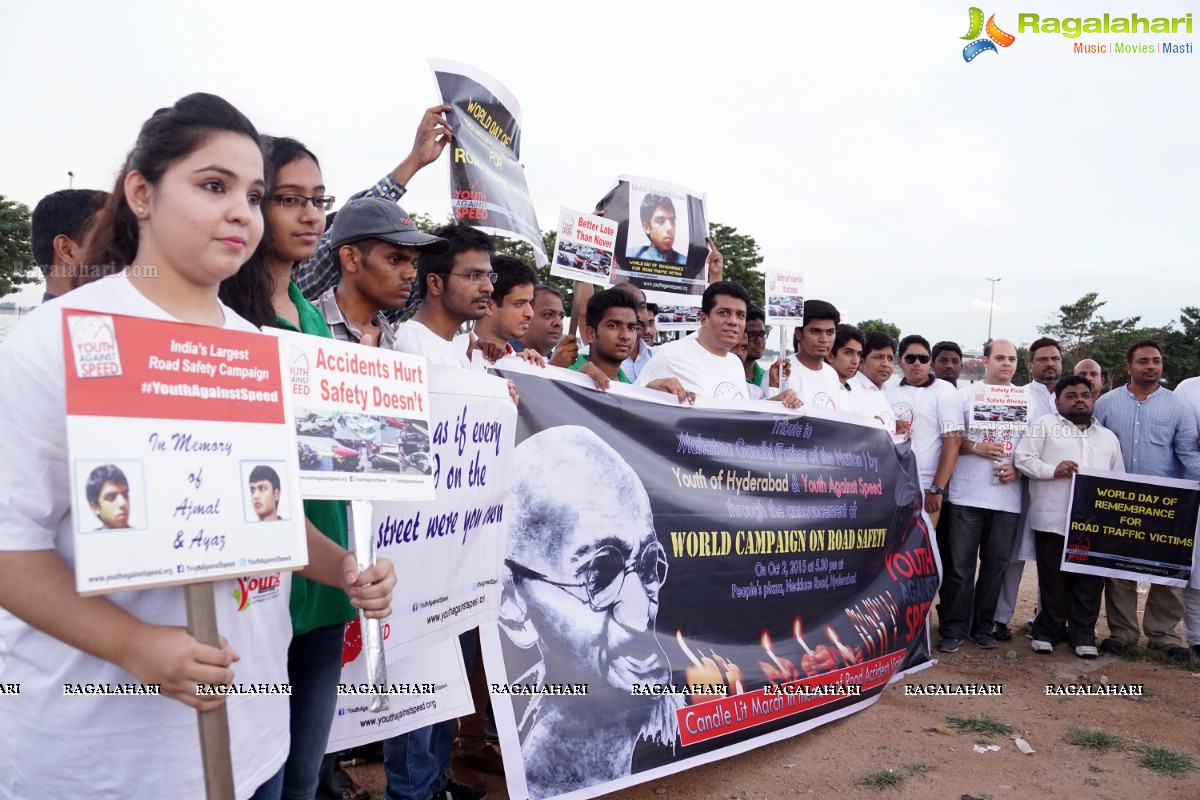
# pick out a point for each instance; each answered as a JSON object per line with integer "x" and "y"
{"x": 817, "y": 388}
{"x": 710, "y": 376}
{"x": 973, "y": 484}
{"x": 932, "y": 410}
{"x": 416, "y": 338}
{"x": 96, "y": 746}
{"x": 1189, "y": 392}
{"x": 869, "y": 400}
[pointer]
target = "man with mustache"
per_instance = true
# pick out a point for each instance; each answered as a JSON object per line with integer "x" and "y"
{"x": 376, "y": 245}
{"x": 1055, "y": 448}
{"x": 582, "y": 586}
{"x": 1157, "y": 432}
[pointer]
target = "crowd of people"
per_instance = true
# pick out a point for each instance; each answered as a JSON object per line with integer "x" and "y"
{"x": 235, "y": 226}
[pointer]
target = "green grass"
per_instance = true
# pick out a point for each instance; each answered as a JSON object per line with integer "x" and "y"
{"x": 894, "y": 778}
{"x": 983, "y": 725}
{"x": 1095, "y": 739}
{"x": 914, "y": 769}
{"x": 883, "y": 779}
{"x": 1166, "y": 762}
{"x": 1157, "y": 656}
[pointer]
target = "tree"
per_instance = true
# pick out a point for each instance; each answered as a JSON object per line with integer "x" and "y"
{"x": 743, "y": 261}
{"x": 879, "y": 325}
{"x": 1083, "y": 333}
{"x": 16, "y": 252}
{"x": 1181, "y": 354}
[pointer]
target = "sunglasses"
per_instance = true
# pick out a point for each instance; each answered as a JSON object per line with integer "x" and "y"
{"x": 604, "y": 575}
{"x": 913, "y": 358}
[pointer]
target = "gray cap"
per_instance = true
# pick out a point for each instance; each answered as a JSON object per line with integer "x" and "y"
{"x": 376, "y": 218}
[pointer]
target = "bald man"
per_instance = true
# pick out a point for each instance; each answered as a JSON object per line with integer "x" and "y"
{"x": 582, "y": 585}
{"x": 1093, "y": 372}
{"x": 985, "y": 512}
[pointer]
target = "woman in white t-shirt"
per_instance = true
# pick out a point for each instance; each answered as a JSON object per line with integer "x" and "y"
{"x": 187, "y": 204}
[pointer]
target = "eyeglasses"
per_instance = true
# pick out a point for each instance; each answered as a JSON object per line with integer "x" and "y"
{"x": 604, "y": 576}
{"x": 476, "y": 276}
{"x": 298, "y": 201}
{"x": 913, "y": 358}
{"x": 757, "y": 335}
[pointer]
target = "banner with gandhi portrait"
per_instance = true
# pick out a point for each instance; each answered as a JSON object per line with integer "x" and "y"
{"x": 682, "y": 584}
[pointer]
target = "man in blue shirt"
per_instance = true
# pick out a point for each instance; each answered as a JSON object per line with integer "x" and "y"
{"x": 1157, "y": 432}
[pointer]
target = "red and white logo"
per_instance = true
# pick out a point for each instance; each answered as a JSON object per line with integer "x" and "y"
{"x": 94, "y": 346}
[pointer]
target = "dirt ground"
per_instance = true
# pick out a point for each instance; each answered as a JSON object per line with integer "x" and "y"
{"x": 911, "y": 736}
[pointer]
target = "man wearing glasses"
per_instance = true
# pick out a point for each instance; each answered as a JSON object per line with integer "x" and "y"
{"x": 582, "y": 586}
{"x": 455, "y": 284}
{"x": 933, "y": 411}
{"x": 456, "y": 287}
{"x": 376, "y": 246}
{"x": 756, "y": 343}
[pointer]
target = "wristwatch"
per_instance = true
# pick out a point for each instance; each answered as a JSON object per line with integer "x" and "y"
{"x": 935, "y": 489}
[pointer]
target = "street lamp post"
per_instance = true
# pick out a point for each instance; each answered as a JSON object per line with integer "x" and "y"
{"x": 70, "y": 179}
{"x": 992, "y": 306}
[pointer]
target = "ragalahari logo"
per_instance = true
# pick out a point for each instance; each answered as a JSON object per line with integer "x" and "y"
{"x": 995, "y": 36}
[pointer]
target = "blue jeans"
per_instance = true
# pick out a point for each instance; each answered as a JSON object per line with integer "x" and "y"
{"x": 415, "y": 762}
{"x": 976, "y": 535}
{"x": 269, "y": 790}
{"x": 314, "y": 667}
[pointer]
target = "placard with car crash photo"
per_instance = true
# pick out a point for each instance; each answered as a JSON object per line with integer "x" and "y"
{"x": 584, "y": 247}
{"x": 362, "y": 420}
{"x": 784, "y": 290}
{"x": 661, "y": 244}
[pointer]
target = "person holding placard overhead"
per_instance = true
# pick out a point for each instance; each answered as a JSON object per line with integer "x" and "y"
{"x": 188, "y": 201}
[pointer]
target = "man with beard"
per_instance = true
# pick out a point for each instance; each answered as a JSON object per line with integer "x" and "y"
{"x": 947, "y": 362}
{"x": 376, "y": 246}
{"x": 456, "y": 287}
{"x": 756, "y": 343}
{"x": 1157, "y": 432}
{"x": 510, "y": 311}
{"x": 1055, "y": 448}
{"x": 545, "y": 331}
{"x": 581, "y": 594}
{"x": 703, "y": 362}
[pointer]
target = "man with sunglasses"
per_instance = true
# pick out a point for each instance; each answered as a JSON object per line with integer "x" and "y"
{"x": 376, "y": 245}
{"x": 582, "y": 585}
{"x": 933, "y": 413}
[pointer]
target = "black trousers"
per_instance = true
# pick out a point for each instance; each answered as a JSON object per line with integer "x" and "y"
{"x": 1070, "y": 601}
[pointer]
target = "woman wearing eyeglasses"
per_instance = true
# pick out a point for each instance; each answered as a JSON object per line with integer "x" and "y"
{"x": 263, "y": 291}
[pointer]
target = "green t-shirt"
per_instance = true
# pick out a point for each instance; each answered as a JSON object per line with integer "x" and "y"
{"x": 757, "y": 378}
{"x": 579, "y": 362}
{"x": 315, "y": 605}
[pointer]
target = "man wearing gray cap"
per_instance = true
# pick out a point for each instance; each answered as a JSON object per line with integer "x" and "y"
{"x": 376, "y": 246}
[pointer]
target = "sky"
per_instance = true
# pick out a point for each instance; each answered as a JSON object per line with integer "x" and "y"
{"x": 852, "y": 141}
